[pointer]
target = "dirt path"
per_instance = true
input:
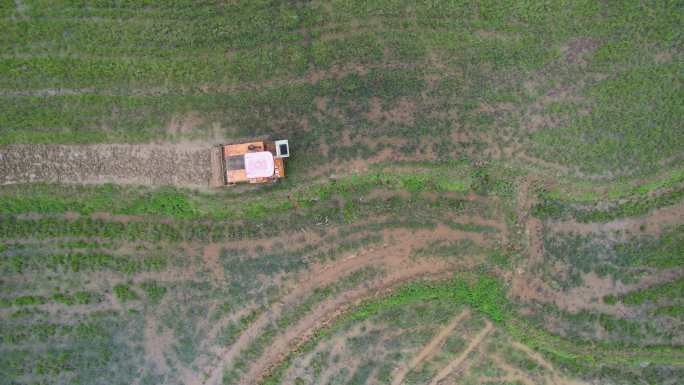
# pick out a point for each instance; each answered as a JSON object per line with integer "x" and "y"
{"x": 427, "y": 351}
{"x": 156, "y": 343}
{"x": 210, "y": 256}
{"x": 533, "y": 226}
{"x": 525, "y": 284}
{"x": 453, "y": 365}
{"x": 179, "y": 164}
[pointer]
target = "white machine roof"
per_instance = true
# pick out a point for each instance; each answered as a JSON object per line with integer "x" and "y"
{"x": 259, "y": 164}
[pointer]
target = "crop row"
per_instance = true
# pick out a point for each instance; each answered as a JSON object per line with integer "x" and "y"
{"x": 136, "y": 35}
{"x": 92, "y": 347}
{"x": 481, "y": 293}
{"x": 75, "y": 262}
{"x": 125, "y": 73}
{"x": 452, "y": 177}
{"x": 550, "y": 208}
{"x": 485, "y": 294}
{"x": 591, "y": 326}
{"x": 247, "y": 112}
{"x": 78, "y": 298}
{"x": 327, "y": 214}
{"x": 43, "y": 332}
{"x": 581, "y": 193}
{"x": 665, "y": 292}
{"x": 621, "y": 260}
{"x": 662, "y": 252}
{"x": 555, "y": 20}
{"x": 626, "y": 130}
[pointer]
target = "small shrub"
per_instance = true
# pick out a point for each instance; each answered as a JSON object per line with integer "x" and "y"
{"x": 153, "y": 291}
{"x": 124, "y": 293}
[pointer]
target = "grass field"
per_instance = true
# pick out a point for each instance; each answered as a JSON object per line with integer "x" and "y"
{"x": 485, "y": 192}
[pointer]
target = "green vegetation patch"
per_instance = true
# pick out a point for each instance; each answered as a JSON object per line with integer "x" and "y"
{"x": 666, "y": 292}
{"x": 634, "y": 123}
{"x": 76, "y": 262}
{"x": 605, "y": 255}
{"x": 551, "y": 208}
{"x": 125, "y": 293}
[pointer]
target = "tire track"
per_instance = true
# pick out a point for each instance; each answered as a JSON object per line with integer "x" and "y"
{"x": 456, "y": 363}
{"x": 428, "y": 350}
{"x": 394, "y": 258}
{"x": 323, "y": 315}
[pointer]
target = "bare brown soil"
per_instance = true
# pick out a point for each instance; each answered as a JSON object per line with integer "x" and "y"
{"x": 156, "y": 343}
{"x": 211, "y": 260}
{"x": 186, "y": 164}
{"x": 578, "y": 48}
{"x": 401, "y": 114}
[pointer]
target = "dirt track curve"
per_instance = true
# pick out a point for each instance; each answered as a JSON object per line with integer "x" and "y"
{"x": 179, "y": 164}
